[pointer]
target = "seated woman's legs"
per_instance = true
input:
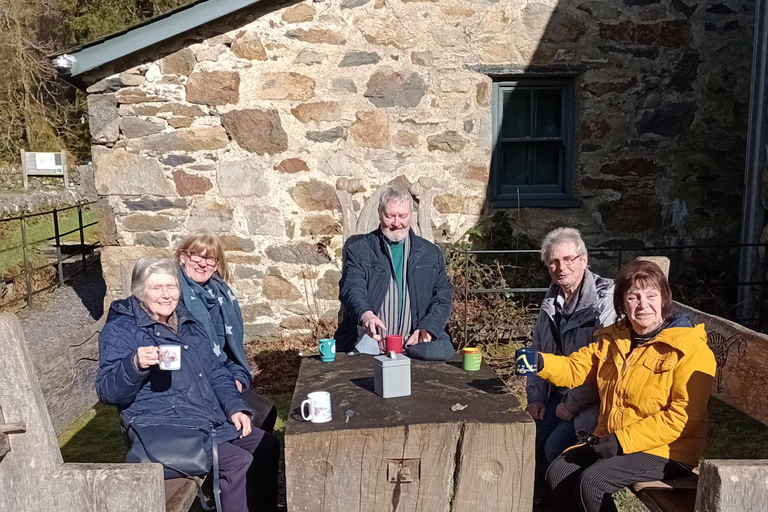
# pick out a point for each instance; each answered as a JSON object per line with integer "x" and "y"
{"x": 581, "y": 482}
{"x": 248, "y": 473}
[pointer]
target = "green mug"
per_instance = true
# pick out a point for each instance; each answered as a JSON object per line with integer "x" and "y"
{"x": 472, "y": 359}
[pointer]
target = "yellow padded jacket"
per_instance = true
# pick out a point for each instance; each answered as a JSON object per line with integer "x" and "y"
{"x": 655, "y": 398}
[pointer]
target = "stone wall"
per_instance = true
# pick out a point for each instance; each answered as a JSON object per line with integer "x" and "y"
{"x": 276, "y": 126}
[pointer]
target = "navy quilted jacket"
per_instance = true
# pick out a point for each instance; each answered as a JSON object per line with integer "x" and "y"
{"x": 203, "y": 388}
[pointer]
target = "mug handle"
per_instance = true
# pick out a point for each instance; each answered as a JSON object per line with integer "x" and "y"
{"x": 308, "y": 403}
{"x": 322, "y": 351}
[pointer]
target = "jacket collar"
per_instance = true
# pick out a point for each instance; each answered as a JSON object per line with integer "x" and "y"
{"x": 586, "y": 300}
{"x": 417, "y": 245}
{"x": 678, "y": 334}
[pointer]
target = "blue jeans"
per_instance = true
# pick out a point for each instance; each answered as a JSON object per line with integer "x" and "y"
{"x": 553, "y": 435}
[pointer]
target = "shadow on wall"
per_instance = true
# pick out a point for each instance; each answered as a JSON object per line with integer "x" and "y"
{"x": 634, "y": 112}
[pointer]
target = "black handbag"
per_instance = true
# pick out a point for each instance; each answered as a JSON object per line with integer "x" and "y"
{"x": 179, "y": 445}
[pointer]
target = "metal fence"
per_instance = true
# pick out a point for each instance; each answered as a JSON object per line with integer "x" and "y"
{"x": 715, "y": 294}
{"x": 64, "y": 255}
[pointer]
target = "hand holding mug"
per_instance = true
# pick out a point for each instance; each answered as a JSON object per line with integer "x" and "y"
{"x": 146, "y": 357}
{"x": 242, "y": 422}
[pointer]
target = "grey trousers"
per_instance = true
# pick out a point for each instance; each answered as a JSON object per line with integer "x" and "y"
{"x": 580, "y": 482}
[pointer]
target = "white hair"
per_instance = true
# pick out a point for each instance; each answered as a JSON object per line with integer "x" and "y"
{"x": 394, "y": 194}
{"x": 560, "y": 236}
{"x": 148, "y": 266}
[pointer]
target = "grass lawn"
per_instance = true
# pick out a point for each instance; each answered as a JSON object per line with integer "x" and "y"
{"x": 41, "y": 228}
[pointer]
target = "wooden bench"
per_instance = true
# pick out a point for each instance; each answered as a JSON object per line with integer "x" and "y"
{"x": 33, "y": 475}
{"x": 723, "y": 485}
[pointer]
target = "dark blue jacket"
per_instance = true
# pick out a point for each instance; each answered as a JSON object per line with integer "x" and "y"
{"x": 203, "y": 388}
{"x": 366, "y": 276}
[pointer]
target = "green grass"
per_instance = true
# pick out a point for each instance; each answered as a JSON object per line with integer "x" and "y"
{"x": 95, "y": 437}
{"x": 40, "y": 228}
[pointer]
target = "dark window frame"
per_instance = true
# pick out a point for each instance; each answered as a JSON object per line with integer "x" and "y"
{"x": 528, "y": 195}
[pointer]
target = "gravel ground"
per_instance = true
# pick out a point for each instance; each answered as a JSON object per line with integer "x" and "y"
{"x": 63, "y": 310}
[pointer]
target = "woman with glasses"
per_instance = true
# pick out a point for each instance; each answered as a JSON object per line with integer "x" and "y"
{"x": 203, "y": 276}
{"x": 577, "y": 304}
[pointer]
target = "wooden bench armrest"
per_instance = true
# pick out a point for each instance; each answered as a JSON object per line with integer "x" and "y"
{"x": 689, "y": 481}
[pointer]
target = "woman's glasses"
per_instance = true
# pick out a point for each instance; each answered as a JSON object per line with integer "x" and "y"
{"x": 197, "y": 258}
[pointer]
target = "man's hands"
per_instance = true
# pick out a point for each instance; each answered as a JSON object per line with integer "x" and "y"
{"x": 146, "y": 357}
{"x": 414, "y": 338}
{"x": 536, "y": 410}
{"x": 239, "y": 385}
{"x": 372, "y": 325}
{"x": 563, "y": 413}
{"x": 242, "y": 422}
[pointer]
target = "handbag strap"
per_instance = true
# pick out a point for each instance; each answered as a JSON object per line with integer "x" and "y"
{"x": 214, "y": 456}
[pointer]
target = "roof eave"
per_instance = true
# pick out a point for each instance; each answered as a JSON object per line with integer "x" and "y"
{"x": 116, "y": 46}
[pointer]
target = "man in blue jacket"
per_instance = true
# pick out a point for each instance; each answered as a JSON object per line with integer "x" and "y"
{"x": 394, "y": 282}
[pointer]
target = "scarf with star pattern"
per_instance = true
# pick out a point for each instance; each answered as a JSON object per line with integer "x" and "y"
{"x": 213, "y": 305}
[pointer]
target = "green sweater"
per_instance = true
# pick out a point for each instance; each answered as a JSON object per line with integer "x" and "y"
{"x": 398, "y": 250}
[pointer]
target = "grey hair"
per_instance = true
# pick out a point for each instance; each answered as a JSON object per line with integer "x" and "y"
{"x": 148, "y": 266}
{"x": 394, "y": 194}
{"x": 560, "y": 236}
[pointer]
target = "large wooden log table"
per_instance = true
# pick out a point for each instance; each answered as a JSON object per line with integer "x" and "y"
{"x": 410, "y": 453}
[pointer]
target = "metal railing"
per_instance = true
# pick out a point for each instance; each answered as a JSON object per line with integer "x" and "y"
{"x": 27, "y": 245}
{"x": 755, "y": 321}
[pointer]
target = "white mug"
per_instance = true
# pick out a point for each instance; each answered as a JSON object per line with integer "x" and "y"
{"x": 319, "y": 404}
{"x": 170, "y": 357}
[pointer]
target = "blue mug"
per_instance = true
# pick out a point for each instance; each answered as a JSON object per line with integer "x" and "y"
{"x": 526, "y": 360}
{"x": 327, "y": 349}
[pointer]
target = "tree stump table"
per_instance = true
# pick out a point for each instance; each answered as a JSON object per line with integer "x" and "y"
{"x": 410, "y": 453}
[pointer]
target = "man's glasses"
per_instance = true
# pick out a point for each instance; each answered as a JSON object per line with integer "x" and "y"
{"x": 568, "y": 261}
{"x": 197, "y": 258}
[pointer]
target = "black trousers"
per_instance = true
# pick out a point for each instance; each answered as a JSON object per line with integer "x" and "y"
{"x": 580, "y": 482}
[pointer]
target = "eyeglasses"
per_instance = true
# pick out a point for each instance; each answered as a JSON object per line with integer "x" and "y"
{"x": 567, "y": 261}
{"x": 197, "y": 258}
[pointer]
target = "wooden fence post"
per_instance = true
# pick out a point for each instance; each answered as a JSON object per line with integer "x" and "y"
{"x": 26, "y": 258}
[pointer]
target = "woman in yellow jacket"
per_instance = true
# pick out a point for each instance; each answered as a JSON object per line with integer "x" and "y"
{"x": 654, "y": 373}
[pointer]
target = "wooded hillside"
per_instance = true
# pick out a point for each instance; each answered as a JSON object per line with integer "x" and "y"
{"x": 39, "y": 112}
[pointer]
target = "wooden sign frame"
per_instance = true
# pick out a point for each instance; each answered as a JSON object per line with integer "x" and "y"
{"x": 29, "y": 167}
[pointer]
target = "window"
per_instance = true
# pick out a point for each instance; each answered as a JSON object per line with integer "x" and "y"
{"x": 532, "y": 132}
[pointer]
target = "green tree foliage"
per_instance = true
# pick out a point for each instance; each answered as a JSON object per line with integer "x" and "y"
{"x": 38, "y": 111}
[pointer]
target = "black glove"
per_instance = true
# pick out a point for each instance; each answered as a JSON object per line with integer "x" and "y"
{"x": 607, "y": 446}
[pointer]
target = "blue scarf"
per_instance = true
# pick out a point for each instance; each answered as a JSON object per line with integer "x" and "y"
{"x": 215, "y": 306}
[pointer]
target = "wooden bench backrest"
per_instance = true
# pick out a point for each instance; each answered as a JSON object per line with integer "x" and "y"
{"x": 33, "y": 475}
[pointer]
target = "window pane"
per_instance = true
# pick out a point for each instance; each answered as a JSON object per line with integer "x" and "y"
{"x": 547, "y": 167}
{"x": 514, "y": 164}
{"x": 517, "y": 114}
{"x": 548, "y": 112}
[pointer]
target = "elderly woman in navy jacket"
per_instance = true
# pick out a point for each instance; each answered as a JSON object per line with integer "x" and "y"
{"x": 203, "y": 388}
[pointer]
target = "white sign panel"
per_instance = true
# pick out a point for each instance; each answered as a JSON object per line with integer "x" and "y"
{"x": 48, "y": 161}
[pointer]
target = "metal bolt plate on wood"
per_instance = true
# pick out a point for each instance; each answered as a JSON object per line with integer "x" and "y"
{"x": 403, "y": 471}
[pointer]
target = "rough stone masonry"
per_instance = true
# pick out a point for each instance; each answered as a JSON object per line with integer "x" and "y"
{"x": 256, "y": 126}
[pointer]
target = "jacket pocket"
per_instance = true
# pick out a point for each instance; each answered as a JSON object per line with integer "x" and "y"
{"x": 659, "y": 364}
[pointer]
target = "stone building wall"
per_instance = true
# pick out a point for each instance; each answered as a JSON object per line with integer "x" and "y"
{"x": 275, "y": 126}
